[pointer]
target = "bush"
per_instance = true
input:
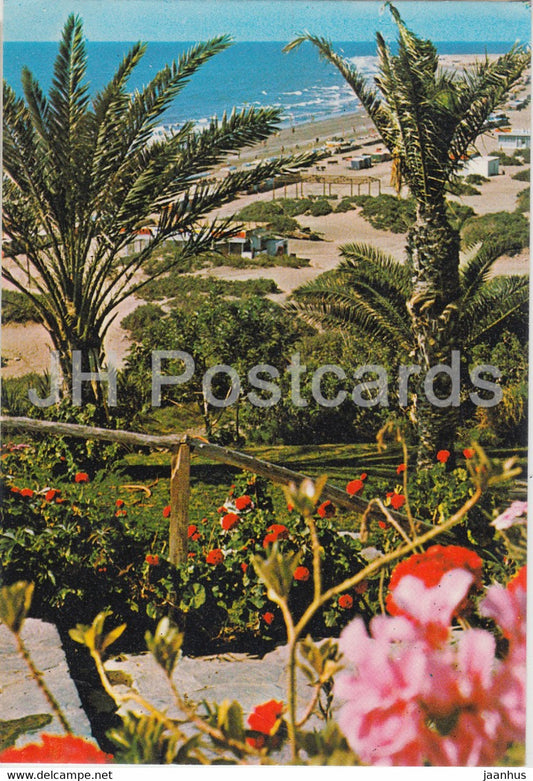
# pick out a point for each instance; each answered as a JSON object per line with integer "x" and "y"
{"x": 522, "y": 201}
{"x": 522, "y": 176}
{"x": 387, "y": 212}
{"x": 138, "y": 321}
{"x": 189, "y": 290}
{"x": 476, "y": 179}
{"x": 18, "y": 308}
{"x": 512, "y": 225}
{"x": 320, "y": 208}
{"x": 462, "y": 188}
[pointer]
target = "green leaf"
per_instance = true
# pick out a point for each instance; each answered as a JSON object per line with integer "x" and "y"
{"x": 15, "y": 602}
{"x": 277, "y": 571}
{"x": 165, "y": 645}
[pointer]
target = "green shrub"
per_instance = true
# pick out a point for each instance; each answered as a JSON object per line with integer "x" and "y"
{"x": 320, "y": 208}
{"x": 184, "y": 288}
{"x": 140, "y": 319}
{"x": 18, "y": 308}
{"x": 522, "y": 176}
{"x": 387, "y": 212}
{"x": 523, "y": 203}
{"x": 476, "y": 179}
{"x": 282, "y": 224}
{"x": 512, "y": 225}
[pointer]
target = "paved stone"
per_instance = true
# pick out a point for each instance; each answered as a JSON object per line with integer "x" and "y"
{"x": 246, "y": 678}
{"x": 19, "y": 694}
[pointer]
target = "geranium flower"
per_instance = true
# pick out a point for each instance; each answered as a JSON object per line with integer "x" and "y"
{"x": 120, "y": 503}
{"x": 395, "y": 499}
{"x": 57, "y": 749}
{"x": 51, "y": 494}
{"x": 265, "y": 719}
{"x": 215, "y": 557}
{"x": 244, "y": 503}
{"x": 355, "y": 487}
{"x": 193, "y": 533}
{"x": 120, "y": 513}
{"x": 327, "y": 509}
{"x": 14, "y": 489}
{"x": 469, "y": 452}
{"x": 152, "y": 559}
{"x": 268, "y": 617}
{"x": 301, "y": 573}
{"x": 515, "y": 515}
{"x": 27, "y": 492}
{"x": 430, "y": 566}
{"x": 244, "y": 566}
{"x": 229, "y": 521}
{"x": 345, "y": 601}
{"x": 277, "y": 531}
{"x": 401, "y": 468}
{"x": 166, "y": 511}
{"x": 81, "y": 477}
{"x": 405, "y": 700}
{"x": 443, "y": 456}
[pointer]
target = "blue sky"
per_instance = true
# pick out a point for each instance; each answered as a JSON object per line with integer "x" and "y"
{"x": 255, "y": 20}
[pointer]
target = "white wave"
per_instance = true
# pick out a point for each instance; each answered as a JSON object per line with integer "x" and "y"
{"x": 296, "y": 92}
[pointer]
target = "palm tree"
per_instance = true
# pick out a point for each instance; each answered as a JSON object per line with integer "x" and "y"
{"x": 428, "y": 118}
{"x": 83, "y": 176}
{"x": 370, "y": 292}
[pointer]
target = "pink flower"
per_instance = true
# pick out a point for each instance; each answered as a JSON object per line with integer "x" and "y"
{"x": 406, "y": 700}
{"x": 515, "y": 515}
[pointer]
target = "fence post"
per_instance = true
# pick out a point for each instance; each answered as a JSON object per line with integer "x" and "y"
{"x": 179, "y": 504}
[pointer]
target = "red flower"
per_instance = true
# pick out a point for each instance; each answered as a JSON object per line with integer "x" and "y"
{"x": 215, "y": 557}
{"x": 14, "y": 489}
{"x": 469, "y": 452}
{"x": 275, "y": 532}
{"x": 443, "y": 456}
{"x": 362, "y": 587}
{"x": 120, "y": 503}
{"x": 166, "y": 511}
{"x": 120, "y": 513}
{"x": 430, "y": 566}
{"x": 27, "y": 492}
{"x": 346, "y": 601}
{"x": 152, "y": 560}
{"x": 383, "y": 524}
{"x": 401, "y": 468}
{"x": 265, "y": 718}
{"x": 57, "y": 749}
{"x": 229, "y": 521}
{"x": 193, "y": 533}
{"x": 81, "y": 477}
{"x": 222, "y": 510}
{"x": 355, "y": 487}
{"x": 519, "y": 581}
{"x": 244, "y": 502}
{"x": 244, "y": 566}
{"x": 290, "y": 507}
{"x": 268, "y": 617}
{"x": 51, "y": 494}
{"x": 327, "y": 509}
{"x": 191, "y": 555}
{"x": 301, "y": 573}
{"x": 397, "y": 501}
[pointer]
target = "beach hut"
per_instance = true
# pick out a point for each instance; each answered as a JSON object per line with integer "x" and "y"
{"x": 483, "y": 165}
{"x": 358, "y": 163}
{"x": 514, "y": 139}
{"x": 380, "y": 156}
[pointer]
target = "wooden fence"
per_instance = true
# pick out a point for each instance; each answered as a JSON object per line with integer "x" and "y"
{"x": 181, "y": 446}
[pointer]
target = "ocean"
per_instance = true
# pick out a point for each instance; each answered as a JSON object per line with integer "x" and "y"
{"x": 246, "y": 74}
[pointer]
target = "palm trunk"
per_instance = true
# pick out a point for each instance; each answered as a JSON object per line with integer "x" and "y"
{"x": 433, "y": 252}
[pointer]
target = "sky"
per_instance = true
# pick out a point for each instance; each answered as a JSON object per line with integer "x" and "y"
{"x": 257, "y": 20}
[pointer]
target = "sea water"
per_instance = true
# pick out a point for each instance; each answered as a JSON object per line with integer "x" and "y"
{"x": 248, "y": 74}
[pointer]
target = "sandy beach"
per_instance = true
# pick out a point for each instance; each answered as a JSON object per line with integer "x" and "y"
{"x": 26, "y": 348}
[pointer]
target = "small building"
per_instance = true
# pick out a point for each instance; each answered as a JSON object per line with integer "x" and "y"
{"x": 381, "y": 156}
{"x": 483, "y": 165}
{"x": 250, "y": 243}
{"x": 514, "y": 139}
{"x": 358, "y": 163}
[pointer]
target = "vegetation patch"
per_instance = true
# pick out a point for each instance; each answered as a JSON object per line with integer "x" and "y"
{"x": 514, "y": 226}
{"x": 18, "y": 308}
{"x": 184, "y": 287}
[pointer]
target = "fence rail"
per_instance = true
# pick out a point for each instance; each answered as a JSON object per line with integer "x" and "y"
{"x": 181, "y": 447}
